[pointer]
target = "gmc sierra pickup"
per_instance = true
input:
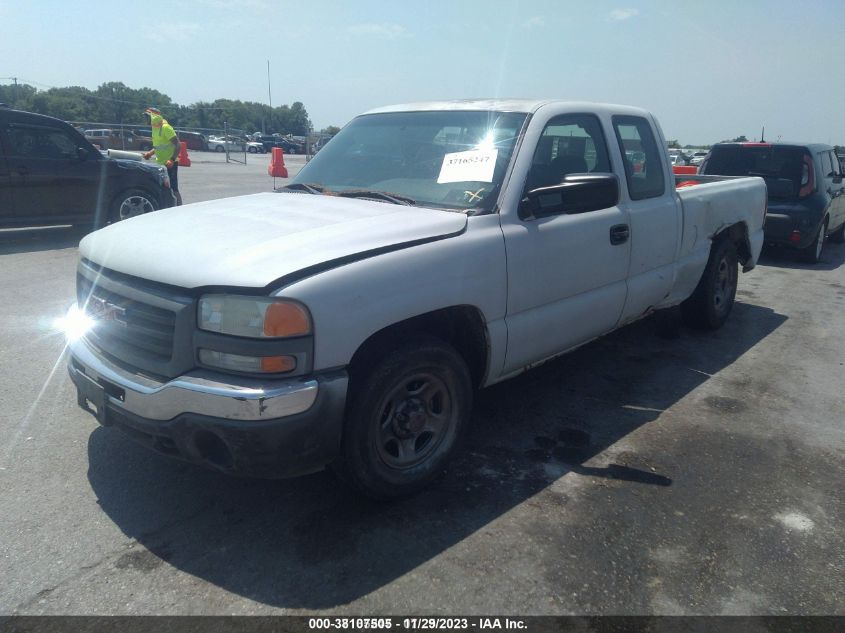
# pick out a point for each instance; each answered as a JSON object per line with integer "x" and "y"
{"x": 429, "y": 250}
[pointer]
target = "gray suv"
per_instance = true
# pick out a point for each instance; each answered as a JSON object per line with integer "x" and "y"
{"x": 806, "y": 201}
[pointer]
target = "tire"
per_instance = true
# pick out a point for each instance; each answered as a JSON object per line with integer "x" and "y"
{"x": 812, "y": 253}
{"x": 252, "y": 150}
{"x": 219, "y": 149}
{"x": 405, "y": 416}
{"x": 710, "y": 304}
{"x": 838, "y": 236}
{"x": 131, "y": 203}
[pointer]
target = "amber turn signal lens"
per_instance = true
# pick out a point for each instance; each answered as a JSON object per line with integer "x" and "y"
{"x": 286, "y": 319}
{"x": 278, "y": 364}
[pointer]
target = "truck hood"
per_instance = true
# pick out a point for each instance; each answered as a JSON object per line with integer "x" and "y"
{"x": 253, "y": 241}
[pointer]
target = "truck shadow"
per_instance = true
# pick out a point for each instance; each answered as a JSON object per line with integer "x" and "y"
{"x": 833, "y": 256}
{"x": 311, "y": 544}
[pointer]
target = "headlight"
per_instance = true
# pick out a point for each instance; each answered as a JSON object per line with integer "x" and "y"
{"x": 163, "y": 178}
{"x": 255, "y": 317}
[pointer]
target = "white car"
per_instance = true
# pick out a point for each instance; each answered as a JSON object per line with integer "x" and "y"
{"x": 697, "y": 158}
{"x": 254, "y": 147}
{"x": 220, "y": 144}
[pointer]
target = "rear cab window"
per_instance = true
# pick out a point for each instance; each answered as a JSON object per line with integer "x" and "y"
{"x": 642, "y": 158}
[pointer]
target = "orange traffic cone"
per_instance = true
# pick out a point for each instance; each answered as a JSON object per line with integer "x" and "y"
{"x": 184, "y": 161}
{"x": 277, "y": 167}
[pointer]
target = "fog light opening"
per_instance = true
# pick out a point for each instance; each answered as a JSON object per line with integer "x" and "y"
{"x": 212, "y": 449}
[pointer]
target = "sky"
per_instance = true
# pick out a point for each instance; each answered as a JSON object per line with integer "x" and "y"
{"x": 709, "y": 70}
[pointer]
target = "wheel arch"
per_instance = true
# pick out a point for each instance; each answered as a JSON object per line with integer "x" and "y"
{"x": 461, "y": 326}
{"x": 738, "y": 234}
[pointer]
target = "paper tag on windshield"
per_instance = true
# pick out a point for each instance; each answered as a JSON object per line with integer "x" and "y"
{"x": 475, "y": 165}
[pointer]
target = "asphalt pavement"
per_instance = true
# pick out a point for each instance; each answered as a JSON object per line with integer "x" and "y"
{"x": 654, "y": 471}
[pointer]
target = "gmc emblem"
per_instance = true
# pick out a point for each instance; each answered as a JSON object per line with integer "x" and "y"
{"x": 102, "y": 310}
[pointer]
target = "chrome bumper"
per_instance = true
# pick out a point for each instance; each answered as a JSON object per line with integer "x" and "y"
{"x": 201, "y": 392}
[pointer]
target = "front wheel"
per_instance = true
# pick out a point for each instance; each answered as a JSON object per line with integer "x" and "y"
{"x": 710, "y": 304}
{"x": 404, "y": 419}
{"x": 130, "y": 203}
{"x": 838, "y": 236}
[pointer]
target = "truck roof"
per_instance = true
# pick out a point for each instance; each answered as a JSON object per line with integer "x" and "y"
{"x": 507, "y": 105}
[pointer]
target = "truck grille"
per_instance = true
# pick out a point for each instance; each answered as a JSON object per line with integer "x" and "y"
{"x": 138, "y": 323}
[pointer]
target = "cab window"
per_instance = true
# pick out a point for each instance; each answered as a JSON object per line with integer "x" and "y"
{"x": 643, "y": 160}
{"x": 570, "y": 144}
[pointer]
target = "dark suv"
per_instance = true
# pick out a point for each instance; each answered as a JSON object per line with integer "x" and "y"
{"x": 806, "y": 201}
{"x": 50, "y": 174}
{"x": 269, "y": 142}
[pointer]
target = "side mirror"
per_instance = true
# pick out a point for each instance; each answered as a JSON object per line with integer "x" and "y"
{"x": 81, "y": 153}
{"x": 578, "y": 193}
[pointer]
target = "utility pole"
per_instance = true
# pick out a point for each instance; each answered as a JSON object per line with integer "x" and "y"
{"x": 15, "y": 92}
{"x": 269, "y": 95}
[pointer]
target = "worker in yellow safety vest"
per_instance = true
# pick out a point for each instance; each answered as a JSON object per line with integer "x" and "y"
{"x": 165, "y": 148}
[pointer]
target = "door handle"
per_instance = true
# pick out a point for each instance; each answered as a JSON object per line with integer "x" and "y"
{"x": 619, "y": 234}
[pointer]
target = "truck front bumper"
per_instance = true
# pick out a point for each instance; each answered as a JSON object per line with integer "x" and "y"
{"x": 242, "y": 426}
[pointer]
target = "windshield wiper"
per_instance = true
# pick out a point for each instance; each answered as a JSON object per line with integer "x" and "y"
{"x": 381, "y": 195}
{"x": 301, "y": 186}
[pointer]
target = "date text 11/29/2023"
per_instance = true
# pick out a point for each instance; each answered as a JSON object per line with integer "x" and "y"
{"x": 418, "y": 623}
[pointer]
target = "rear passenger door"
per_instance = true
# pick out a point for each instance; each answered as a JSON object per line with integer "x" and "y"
{"x": 7, "y": 209}
{"x": 50, "y": 181}
{"x": 835, "y": 187}
{"x": 653, "y": 211}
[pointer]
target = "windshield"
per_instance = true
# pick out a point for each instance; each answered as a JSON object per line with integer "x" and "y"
{"x": 447, "y": 159}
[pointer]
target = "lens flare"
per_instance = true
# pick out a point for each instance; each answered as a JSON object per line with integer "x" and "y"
{"x": 74, "y": 324}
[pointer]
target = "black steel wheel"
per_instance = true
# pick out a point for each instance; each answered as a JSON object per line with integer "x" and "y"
{"x": 713, "y": 298}
{"x": 405, "y": 418}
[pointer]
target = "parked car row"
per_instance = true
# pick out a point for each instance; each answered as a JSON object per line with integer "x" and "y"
{"x": 119, "y": 139}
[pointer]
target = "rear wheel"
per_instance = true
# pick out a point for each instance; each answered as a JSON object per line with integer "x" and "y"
{"x": 130, "y": 203}
{"x": 405, "y": 418}
{"x": 711, "y": 303}
{"x": 812, "y": 254}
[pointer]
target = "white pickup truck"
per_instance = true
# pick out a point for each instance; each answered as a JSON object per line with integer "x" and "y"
{"x": 429, "y": 250}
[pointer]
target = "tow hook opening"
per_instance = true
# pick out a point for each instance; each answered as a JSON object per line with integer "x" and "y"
{"x": 212, "y": 449}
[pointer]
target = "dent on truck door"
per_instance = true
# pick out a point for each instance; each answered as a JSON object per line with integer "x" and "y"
{"x": 566, "y": 276}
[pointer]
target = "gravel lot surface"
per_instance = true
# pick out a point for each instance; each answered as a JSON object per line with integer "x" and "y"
{"x": 649, "y": 472}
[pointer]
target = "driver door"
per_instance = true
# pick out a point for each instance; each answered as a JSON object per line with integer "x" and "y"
{"x": 566, "y": 271}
